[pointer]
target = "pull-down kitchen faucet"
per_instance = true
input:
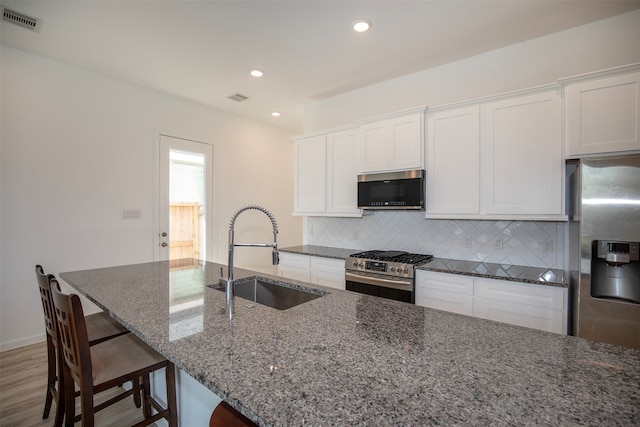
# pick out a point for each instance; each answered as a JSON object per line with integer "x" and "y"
{"x": 274, "y": 245}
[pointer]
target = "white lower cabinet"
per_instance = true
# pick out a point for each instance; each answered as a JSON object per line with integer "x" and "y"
{"x": 294, "y": 266}
{"x": 448, "y": 292}
{"x": 327, "y": 272}
{"x": 523, "y": 304}
{"x": 321, "y": 271}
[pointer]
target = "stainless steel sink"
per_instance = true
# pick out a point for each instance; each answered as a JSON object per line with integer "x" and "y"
{"x": 272, "y": 293}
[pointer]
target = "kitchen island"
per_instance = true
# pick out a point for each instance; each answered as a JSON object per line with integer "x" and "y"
{"x": 352, "y": 359}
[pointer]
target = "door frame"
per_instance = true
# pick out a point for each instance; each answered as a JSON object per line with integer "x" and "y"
{"x": 212, "y": 212}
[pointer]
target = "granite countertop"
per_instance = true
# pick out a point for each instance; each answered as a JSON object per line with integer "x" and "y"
{"x": 352, "y": 359}
{"x": 514, "y": 273}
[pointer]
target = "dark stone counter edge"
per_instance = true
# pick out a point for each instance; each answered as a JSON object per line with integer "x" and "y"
{"x": 440, "y": 265}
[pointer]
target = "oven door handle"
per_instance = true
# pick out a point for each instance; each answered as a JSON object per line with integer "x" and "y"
{"x": 378, "y": 281}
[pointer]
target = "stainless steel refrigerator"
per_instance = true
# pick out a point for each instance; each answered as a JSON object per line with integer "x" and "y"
{"x": 604, "y": 238}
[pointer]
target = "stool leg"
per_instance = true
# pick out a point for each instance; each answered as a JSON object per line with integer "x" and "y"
{"x": 60, "y": 408}
{"x": 171, "y": 395}
{"x": 146, "y": 390}
{"x": 51, "y": 377}
{"x": 69, "y": 397}
{"x": 136, "y": 396}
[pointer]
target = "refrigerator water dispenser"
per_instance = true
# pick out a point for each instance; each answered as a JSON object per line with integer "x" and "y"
{"x": 615, "y": 270}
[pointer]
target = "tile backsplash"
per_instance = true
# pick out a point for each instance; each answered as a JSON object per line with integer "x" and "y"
{"x": 529, "y": 243}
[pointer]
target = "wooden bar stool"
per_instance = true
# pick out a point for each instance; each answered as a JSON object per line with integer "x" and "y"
{"x": 106, "y": 365}
{"x": 226, "y": 416}
{"x": 100, "y": 327}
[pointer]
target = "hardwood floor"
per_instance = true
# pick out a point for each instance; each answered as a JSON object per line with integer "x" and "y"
{"x": 23, "y": 378}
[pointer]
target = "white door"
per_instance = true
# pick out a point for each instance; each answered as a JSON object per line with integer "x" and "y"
{"x": 185, "y": 199}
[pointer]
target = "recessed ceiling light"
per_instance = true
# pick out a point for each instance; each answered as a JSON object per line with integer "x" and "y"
{"x": 361, "y": 25}
{"x": 255, "y": 72}
{"x": 276, "y": 114}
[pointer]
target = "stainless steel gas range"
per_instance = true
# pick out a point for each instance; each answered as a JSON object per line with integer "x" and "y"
{"x": 386, "y": 274}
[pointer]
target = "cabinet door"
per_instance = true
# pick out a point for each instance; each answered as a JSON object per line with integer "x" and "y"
{"x": 294, "y": 266}
{"x": 603, "y": 115}
{"x": 533, "y": 306}
{"x": 392, "y": 144}
{"x": 328, "y": 272}
{"x": 342, "y": 172}
{"x": 522, "y": 156}
{"x": 447, "y": 292}
{"x": 453, "y": 161}
{"x": 374, "y": 147}
{"x": 407, "y": 142}
{"x": 310, "y": 175}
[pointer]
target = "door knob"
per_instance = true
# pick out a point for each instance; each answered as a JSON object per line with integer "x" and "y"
{"x": 164, "y": 244}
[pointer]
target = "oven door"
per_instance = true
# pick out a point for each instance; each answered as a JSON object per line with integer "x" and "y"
{"x": 395, "y": 288}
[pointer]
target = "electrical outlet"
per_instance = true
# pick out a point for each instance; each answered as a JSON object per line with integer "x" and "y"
{"x": 355, "y": 235}
{"x": 467, "y": 241}
{"x": 311, "y": 231}
{"x": 548, "y": 246}
{"x": 497, "y": 243}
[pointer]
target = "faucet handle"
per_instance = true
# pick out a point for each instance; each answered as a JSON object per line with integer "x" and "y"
{"x": 275, "y": 257}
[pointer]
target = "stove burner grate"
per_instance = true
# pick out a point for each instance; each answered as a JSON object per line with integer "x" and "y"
{"x": 393, "y": 256}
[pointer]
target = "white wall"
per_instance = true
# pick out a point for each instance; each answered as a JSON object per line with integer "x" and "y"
{"x": 78, "y": 148}
{"x": 604, "y": 44}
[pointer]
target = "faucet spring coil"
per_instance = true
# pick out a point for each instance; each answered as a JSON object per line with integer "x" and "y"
{"x": 262, "y": 209}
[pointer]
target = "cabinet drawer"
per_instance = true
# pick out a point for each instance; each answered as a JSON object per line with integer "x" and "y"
{"x": 445, "y": 282}
{"x": 327, "y": 265}
{"x": 530, "y": 316}
{"x": 294, "y": 260}
{"x": 446, "y": 301}
{"x": 522, "y": 293}
{"x": 328, "y": 272}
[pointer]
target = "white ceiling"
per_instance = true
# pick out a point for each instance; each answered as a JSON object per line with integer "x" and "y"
{"x": 202, "y": 50}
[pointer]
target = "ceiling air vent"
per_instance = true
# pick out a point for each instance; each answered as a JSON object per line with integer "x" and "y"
{"x": 238, "y": 97}
{"x": 20, "y": 19}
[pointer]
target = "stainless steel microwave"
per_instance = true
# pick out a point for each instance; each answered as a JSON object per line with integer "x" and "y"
{"x": 402, "y": 190}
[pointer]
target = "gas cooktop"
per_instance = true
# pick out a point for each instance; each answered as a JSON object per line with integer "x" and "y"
{"x": 393, "y": 256}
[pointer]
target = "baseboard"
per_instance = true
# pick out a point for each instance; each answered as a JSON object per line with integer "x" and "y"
{"x": 22, "y": 342}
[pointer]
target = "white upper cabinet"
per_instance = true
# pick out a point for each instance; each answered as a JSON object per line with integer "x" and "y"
{"x": 522, "y": 155}
{"x": 342, "y": 172}
{"x": 603, "y": 115}
{"x": 310, "y": 175}
{"x": 326, "y": 170}
{"x": 394, "y": 143}
{"x": 453, "y": 161}
{"x": 497, "y": 159}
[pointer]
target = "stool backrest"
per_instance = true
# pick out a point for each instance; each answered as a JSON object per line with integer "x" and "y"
{"x": 47, "y": 303}
{"x": 72, "y": 330}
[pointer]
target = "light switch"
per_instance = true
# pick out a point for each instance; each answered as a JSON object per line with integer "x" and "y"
{"x": 131, "y": 214}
